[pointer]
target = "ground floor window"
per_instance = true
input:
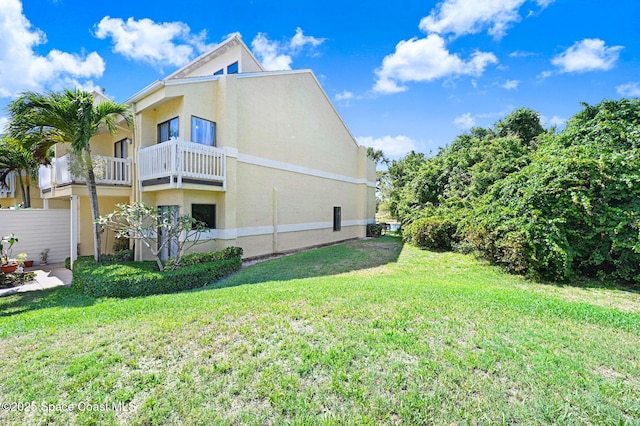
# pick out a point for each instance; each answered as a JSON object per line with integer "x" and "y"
{"x": 337, "y": 218}
{"x": 205, "y": 213}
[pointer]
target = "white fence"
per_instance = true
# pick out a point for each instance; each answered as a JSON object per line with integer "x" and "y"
{"x": 37, "y": 230}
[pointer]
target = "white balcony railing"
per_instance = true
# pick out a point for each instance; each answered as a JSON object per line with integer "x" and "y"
{"x": 9, "y": 192}
{"x": 63, "y": 171}
{"x": 177, "y": 159}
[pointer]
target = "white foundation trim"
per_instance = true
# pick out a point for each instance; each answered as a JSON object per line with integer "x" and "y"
{"x": 231, "y": 234}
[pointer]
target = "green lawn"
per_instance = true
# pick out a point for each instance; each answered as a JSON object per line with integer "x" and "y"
{"x": 368, "y": 332}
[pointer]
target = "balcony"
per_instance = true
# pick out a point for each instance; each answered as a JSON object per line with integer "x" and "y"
{"x": 9, "y": 192}
{"x": 65, "y": 171}
{"x": 177, "y": 161}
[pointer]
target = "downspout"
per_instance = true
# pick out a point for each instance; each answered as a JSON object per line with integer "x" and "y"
{"x": 275, "y": 220}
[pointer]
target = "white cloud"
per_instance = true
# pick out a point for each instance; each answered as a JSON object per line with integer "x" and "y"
{"x": 157, "y": 44}
{"x": 300, "y": 40}
{"x": 344, "y": 96}
{"x": 629, "y": 89}
{"x": 520, "y": 54}
{"x": 21, "y": 68}
{"x": 268, "y": 52}
{"x": 426, "y": 59}
{"x": 510, "y": 84}
{"x": 276, "y": 56}
{"x": 465, "y": 121}
{"x": 3, "y": 124}
{"x": 393, "y": 146}
{"x": 460, "y": 17}
{"x": 555, "y": 121}
{"x": 590, "y": 54}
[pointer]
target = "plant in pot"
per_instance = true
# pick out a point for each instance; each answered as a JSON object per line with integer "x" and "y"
{"x": 23, "y": 262}
{"x": 44, "y": 256}
{"x": 6, "y": 243}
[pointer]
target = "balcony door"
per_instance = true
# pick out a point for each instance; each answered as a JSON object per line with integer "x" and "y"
{"x": 170, "y": 249}
{"x": 120, "y": 150}
{"x": 168, "y": 129}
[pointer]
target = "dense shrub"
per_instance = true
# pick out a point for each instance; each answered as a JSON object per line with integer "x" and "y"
{"x": 431, "y": 233}
{"x": 131, "y": 279}
{"x": 552, "y": 205}
{"x": 202, "y": 257}
{"x": 574, "y": 211}
{"x": 123, "y": 255}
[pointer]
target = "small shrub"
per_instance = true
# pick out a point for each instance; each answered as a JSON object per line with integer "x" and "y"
{"x": 202, "y": 257}
{"x": 14, "y": 280}
{"x": 375, "y": 229}
{"x": 119, "y": 256}
{"x": 121, "y": 244}
{"x": 431, "y": 233}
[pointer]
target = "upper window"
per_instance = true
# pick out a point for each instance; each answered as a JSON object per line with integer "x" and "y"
{"x": 168, "y": 129}
{"x": 219, "y": 72}
{"x": 203, "y": 131}
{"x": 233, "y": 68}
{"x": 204, "y": 213}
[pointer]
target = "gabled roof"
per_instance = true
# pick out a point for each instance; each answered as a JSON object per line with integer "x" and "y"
{"x": 212, "y": 54}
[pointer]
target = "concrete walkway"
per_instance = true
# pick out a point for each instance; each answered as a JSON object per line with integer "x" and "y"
{"x": 47, "y": 276}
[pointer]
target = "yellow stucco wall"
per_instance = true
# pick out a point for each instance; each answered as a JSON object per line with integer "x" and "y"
{"x": 85, "y": 223}
{"x": 292, "y": 160}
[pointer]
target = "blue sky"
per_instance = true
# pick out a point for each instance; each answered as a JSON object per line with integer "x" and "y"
{"x": 404, "y": 75}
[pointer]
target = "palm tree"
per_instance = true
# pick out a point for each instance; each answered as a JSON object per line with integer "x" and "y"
{"x": 71, "y": 116}
{"x": 18, "y": 158}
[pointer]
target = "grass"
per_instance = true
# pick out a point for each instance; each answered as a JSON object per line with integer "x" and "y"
{"x": 367, "y": 332}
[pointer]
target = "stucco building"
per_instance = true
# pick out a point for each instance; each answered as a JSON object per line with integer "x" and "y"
{"x": 262, "y": 157}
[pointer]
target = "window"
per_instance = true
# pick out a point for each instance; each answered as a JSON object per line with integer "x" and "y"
{"x": 233, "y": 68}
{"x": 203, "y": 131}
{"x": 205, "y": 213}
{"x": 219, "y": 72}
{"x": 337, "y": 219}
{"x": 168, "y": 129}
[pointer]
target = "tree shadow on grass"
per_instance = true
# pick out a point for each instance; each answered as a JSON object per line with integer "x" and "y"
{"x": 593, "y": 284}
{"x": 325, "y": 261}
{"x": 19, "y": 303}
{"x": 331, "y": 260}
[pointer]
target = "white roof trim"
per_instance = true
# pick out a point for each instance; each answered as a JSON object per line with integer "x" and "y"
{"x": 144, "y": 92}
{"x": 233, "y": 40}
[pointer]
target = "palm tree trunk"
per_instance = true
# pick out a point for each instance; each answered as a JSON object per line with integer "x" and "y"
{"x": 22, "y": 190}
{"x": 93, "y": 196}
{"x": 26, "y": 197}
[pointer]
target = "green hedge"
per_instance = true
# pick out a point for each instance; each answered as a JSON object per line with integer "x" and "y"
{"x": 431, "y": 233}
{"x": 132, "y": 279}
{"x": 202, "y": 257}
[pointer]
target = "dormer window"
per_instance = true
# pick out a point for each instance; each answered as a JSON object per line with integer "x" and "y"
{"x": 233, "y": 68}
